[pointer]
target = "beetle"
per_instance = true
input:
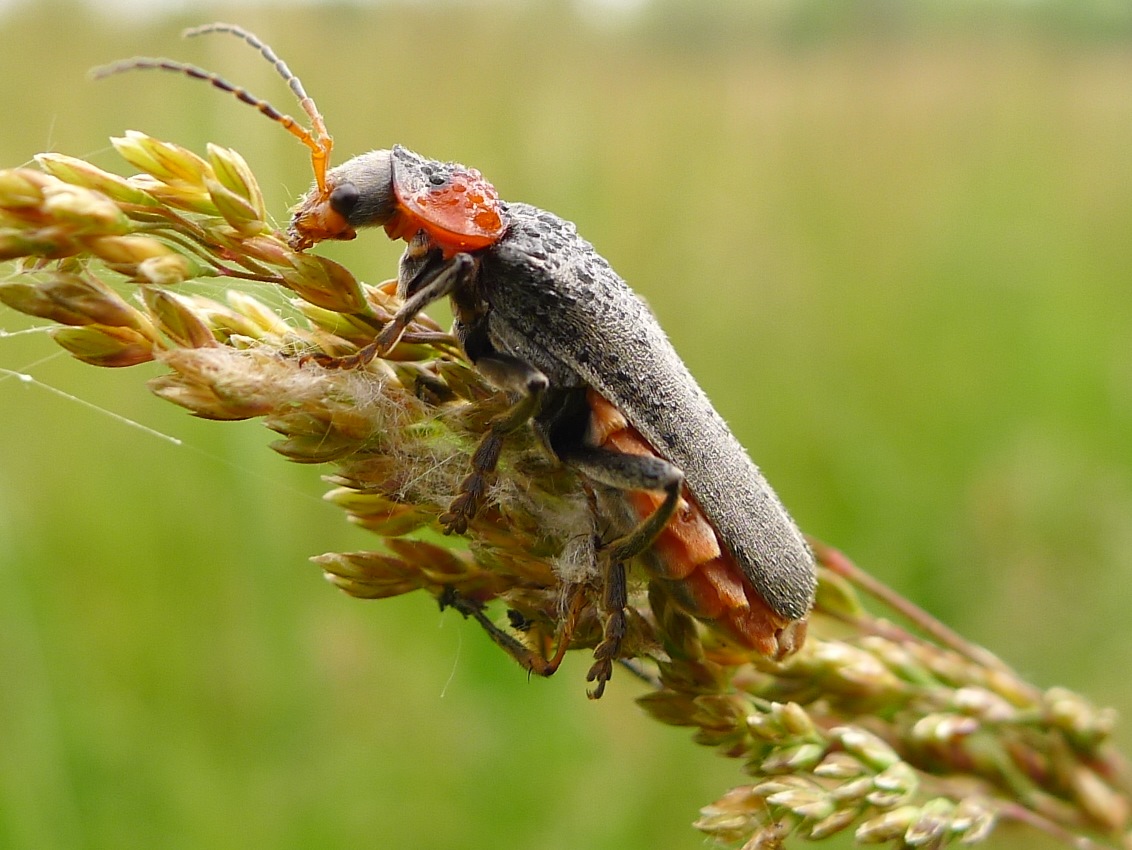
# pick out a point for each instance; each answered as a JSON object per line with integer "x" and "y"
{"x": 543, "y": 317}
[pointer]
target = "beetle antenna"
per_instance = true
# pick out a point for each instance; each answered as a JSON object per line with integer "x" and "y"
{"x": 289, "y": 77}
{"x": 319, "y": 142}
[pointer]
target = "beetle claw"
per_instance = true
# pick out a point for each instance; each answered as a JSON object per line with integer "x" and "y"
{"x": 601, "y": 672}
{"x": 464, "y": 507}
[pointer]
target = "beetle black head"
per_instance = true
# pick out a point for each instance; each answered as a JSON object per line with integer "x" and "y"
{"x": 357, "y": 193}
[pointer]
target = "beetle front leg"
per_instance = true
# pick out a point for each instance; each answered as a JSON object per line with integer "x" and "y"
{"x": 515, "y": 376}
{"x": 433, "y": 280}
{"x": 622, "y": 471}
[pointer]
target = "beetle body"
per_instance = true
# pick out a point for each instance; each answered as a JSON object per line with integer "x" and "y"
{"x": 557, "y": 304}
{"x": 546, "y": 319}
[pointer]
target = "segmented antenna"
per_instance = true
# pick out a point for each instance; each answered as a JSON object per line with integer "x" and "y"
{"x": 319, "y": 141}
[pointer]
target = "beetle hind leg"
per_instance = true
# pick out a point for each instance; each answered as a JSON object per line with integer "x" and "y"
{"x": 618, "y": 471}
{"x": 529, "y": 659}
{"x": 622, "y": 471}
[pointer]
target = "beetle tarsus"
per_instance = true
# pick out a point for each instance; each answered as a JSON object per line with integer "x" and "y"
{"x": 465, "y": 506}
{"x": 615, "y": 596}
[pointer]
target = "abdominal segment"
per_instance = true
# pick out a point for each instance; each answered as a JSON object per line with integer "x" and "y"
{"x": 688, "y": 559}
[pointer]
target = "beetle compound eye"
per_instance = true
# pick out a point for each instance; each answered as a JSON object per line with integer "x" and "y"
{"x": 344, "y": 198}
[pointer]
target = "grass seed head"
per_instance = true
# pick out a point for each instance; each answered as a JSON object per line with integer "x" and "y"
{"x": 905, "y": 737}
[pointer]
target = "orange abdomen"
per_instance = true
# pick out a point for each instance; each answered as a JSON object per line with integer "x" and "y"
{"x": 689, "y": 559}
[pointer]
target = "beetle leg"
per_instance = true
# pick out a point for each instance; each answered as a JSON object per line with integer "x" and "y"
{"x": 431, "y": 282}
{"x": 529, "y": 659}
{"x": 617, "y": 470}
{"x": 513, "y": 375}
{"x": 622, "y": 471}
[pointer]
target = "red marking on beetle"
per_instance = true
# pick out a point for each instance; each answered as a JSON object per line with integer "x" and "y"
{"x": 461, "y": 214}
{"x": 689, "y": 559}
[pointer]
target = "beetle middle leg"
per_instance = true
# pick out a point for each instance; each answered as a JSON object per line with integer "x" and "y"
{"x": 515, "y": 376}
{"x": 618, "y": 471}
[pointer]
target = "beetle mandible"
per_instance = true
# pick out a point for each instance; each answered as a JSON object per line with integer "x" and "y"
{"x": 546, "y": 319}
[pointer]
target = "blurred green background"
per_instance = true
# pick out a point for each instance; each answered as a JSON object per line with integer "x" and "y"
{"x": 890, "y": 238}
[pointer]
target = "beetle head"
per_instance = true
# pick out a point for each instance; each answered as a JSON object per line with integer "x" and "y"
{"x": 452, "y": 205}
{"x": 455, "y": 208}
{"x": 358, "y": 193}
{"x": 316, "y": 139}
